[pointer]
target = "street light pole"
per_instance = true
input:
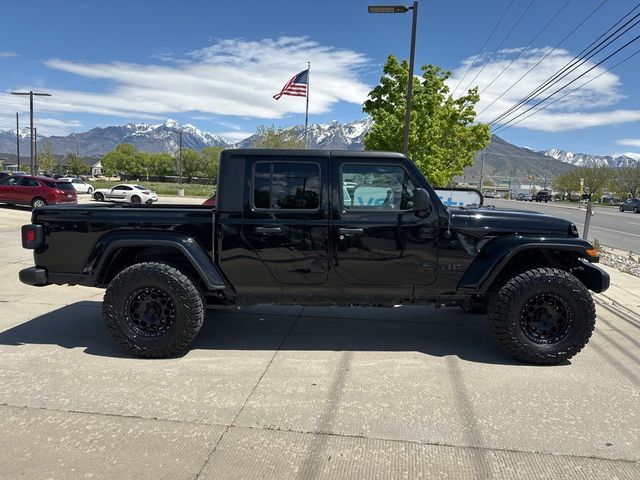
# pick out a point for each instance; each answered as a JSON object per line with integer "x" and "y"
{"x": 18, "y": 141}
{"x": 35, "y": 146}
{"x": 31, "y": 94}
{"x": 404, "y": 9}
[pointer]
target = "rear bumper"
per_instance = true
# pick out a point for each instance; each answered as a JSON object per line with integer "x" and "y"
{"x": 34, "y": 276}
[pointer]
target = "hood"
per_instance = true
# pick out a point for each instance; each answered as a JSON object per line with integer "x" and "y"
{"x": 483, "y": 221}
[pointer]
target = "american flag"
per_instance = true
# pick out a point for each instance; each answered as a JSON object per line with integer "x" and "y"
{"x": 296, "y": 87}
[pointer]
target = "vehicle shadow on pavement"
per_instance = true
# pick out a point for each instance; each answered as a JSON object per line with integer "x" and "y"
{"x": 439, "y": 332}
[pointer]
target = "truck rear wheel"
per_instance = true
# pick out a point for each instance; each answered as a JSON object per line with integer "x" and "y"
{"x": 153, "y": 310}
{"x": 543, "y": 316}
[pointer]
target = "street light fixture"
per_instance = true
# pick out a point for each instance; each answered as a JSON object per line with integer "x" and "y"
{"x": 404, "y": 9}
{"x": 31, "y": 94}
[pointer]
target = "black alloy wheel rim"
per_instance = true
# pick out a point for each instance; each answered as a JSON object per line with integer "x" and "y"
{"x": 150, "y": 312}
{"x": 546, "y": 318}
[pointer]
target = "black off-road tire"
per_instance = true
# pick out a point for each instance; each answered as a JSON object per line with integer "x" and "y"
{"x": 177, "y": 297}
{"x": 534, "y": 292}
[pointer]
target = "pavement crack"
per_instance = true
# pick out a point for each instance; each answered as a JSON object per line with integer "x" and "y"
{"x": 232, "y": 424}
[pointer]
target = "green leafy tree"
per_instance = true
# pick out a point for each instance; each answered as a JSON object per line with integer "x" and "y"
{"x": 75, "y": 166}
{"x": 119, "y": 160}
{"x": 271, "y": 137}
{"x": 192, "y": 164}
{"x": 211, "y": 162}
{"x": 46, "y": 158}
{"x": 626, "y": 180}
{"x": 443, "y": 137}
{"x": 162, "y": 164}
{"x": 596, "y": 179}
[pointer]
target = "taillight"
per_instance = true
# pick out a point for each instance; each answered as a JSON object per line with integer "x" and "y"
{"x": 32, "y": 236}
{"x": 146, "y": 193}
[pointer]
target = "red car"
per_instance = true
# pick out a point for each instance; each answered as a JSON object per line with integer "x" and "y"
{"x": 211, "y": 201}
{"x": 36, "y": 191}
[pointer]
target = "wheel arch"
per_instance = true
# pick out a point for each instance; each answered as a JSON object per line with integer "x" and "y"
{"x": 503, "y": 257}
{"x": 115, "y": 252}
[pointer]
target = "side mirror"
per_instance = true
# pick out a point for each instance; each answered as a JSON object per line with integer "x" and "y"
{"x": 421, "y": 202}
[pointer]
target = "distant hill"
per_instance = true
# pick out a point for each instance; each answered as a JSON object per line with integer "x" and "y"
{"x": 504, "y": 160}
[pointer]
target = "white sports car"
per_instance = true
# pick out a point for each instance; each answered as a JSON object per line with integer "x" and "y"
{"x": 126, "y": 192}
{"x": 79, "y": 185}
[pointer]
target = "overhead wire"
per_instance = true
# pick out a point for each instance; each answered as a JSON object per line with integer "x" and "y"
{"x": 540, "y": 32}
{"x": 501, "y": 129}
{"x": 565, "y": 86}
{"x": 502, "y": 42}
{"x": 483, "y": 46}
{"x": 545, "y": 56}
{"x": 576, "y": 62}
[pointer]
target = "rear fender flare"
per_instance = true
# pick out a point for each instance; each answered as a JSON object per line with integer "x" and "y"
{"x": 106, "y": 248}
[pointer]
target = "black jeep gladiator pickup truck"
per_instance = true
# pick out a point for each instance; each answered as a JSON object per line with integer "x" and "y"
{"x": 321, "y": 227}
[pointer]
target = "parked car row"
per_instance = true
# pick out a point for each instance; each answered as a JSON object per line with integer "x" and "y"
{"x": 36, "y": 191}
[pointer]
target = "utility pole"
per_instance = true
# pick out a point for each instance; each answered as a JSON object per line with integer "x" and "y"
{"x": 31, "y": 94}
{"x": 482, "y": 168}
{"x": 18, "y": 141}
{"x": 180, "y": 189}
{"x": 35, "y": 148}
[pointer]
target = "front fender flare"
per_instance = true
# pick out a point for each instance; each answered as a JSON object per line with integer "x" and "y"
{"x": 496, "y": 254}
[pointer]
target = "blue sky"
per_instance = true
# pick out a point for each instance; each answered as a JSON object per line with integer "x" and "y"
{"x": 217, "y": 64}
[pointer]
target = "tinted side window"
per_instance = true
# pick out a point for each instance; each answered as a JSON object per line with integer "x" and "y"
{"x": 28, "y": 182}
{"x": 9, "y": 181}
{"x": 286, "y": 186}
{"x": 376, "y": 187}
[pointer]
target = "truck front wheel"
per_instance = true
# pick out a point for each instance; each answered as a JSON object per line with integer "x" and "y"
{"x": 543, "y": 316}
{"x": 153, "y": 310}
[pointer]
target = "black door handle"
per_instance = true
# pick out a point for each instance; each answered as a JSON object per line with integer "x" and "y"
{"x": 351, "y": 231}
{"x": 268, "y": 230}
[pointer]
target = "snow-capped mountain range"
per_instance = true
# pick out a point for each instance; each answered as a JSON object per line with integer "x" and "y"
{"x": 588, "y": 160}
{"x": 164, "y": 137}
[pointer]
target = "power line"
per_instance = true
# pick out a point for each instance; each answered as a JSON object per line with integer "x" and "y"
{"x": 571, "y": 91}
{"x": 483, "y": 46}
{"x": 576, "y": 62}
{"x": 502, "y": 42}
{"x": 529, "y": 44}
{"x": 546, "y": 55}
{"x": 565, "y": 86}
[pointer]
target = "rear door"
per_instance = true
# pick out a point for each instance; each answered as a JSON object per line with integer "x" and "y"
{"x": 27, "y": 189}
{"x": 286, "y": 219}
{"x": 8, "y": 189}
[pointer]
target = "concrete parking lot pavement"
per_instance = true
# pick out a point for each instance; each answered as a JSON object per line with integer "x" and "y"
{"x": 307, "y": 392}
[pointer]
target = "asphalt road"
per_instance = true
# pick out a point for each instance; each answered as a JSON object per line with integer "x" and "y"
{"x": 608, "y": 225}
{"x": 307, "y": 393}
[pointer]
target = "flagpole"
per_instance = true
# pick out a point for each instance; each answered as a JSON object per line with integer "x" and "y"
{"x": 306, "y": 114}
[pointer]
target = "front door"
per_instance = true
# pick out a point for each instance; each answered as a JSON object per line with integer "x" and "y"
{"x": 286, "y": 222}
{"x": 378, "y": 239}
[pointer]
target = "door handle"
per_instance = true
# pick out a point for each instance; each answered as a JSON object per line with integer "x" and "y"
{"x": 351, "y": 231}
{"x": 268, "y": 230}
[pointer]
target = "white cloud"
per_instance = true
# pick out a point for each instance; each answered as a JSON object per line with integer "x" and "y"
{"x": 235, "y": 135}
{"x": 231, "y": 77}
{"x": 629, "y": 142}
{"x": 6, "y": 54}
{"x": 576, "y": 111}
{"x": 46, "y": 126}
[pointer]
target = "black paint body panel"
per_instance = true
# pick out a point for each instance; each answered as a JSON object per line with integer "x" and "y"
{"x": 327, "y": 255}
